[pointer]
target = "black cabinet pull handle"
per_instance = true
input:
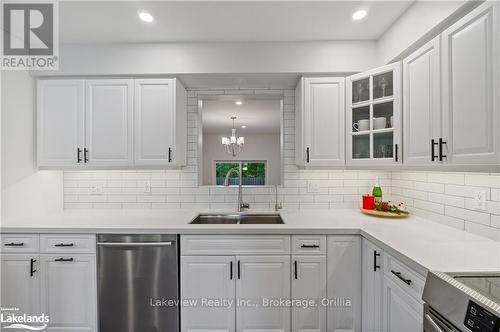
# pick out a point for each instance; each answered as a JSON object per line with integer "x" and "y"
{"x": 78, "y": 155}
{"x": 396, "y": 157}
{"x": 295, "y": 269}
{"x": 63, "y": 259}
{"x": 64, "y": 245}
{"x": 14, "y": 244}
{"x": 32, "y": 263}
{"x": 86, "y": 155}
{"x": 398, "y": 274}
{"x": 169, "y": 155}
{"x": 239, "y": 270}
{"x": 307, "y": 155}
{"x": 309, "y": 246}
{"x": 441, "y": 143}
{"x": 433, "y": 153}
{"x": 375, "y": 255}
{"x": 231, "y": 270}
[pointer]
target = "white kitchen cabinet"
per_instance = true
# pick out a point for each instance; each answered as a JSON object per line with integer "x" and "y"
{"x": 260, "y": 278}
{"x": 160, "y": 122}
{"x": 20, "y": 283}
{"x": 109, "y": 122}
{"x": 422, "y": 104}
{"x": 372, "y": 287}
{"x": 471, "y": 75}
{"x": 60, "y": 122}
{"x": 319, "y": 116}
{"x": 344, "y": 283}
{"x": 373, "y": 117}
{"x": 208, "y": 277}
{"x": 309, "y": 283}
{"x": 69, "y": 292}
{"x": 401, "y": 312}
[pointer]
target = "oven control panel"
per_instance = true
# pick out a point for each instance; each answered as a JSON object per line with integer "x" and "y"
{"x": 481, "y": 320}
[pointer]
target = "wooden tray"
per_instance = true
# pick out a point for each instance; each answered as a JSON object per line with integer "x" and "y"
{"x": 385, "y": 214}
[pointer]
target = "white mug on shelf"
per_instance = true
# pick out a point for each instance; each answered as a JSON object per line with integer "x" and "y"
{"x": 379, "y": 123}
{"x": 361, "y": 125}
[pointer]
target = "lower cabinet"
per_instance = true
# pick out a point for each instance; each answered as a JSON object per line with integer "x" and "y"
{"x": 401, "y": 312}
{"x": 372, "y": 286}
{"x": 69, "y": 292}
{"x": 309, "y": 283}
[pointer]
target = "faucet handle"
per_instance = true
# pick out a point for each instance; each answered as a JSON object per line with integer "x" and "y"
{"x": 244, "y": 206}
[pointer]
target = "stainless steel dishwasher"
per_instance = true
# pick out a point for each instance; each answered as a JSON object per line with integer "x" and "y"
{"x": 138, "y": 282}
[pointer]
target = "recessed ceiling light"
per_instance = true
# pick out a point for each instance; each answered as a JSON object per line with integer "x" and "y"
{"x": 145, "y": 16}
{"x": 359, "y": 14}
{"x": 238, "y": 102}
{"x": 243, "y": 126}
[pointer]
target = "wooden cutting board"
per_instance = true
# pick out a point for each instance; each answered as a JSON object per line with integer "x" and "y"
{"x": 384, "y": 214}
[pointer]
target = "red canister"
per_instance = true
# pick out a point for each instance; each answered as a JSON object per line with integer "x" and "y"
{"x": 368, "y": 202}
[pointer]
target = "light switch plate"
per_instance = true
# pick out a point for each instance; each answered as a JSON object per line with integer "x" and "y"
{"x": 97, "y": 188}
{"x": 480, "y": 200}
{"x": 147, "y": 187}
{"x": 312, "y": 187}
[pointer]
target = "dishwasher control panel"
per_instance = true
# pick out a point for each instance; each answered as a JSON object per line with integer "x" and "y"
{"x": 481, "y": 320}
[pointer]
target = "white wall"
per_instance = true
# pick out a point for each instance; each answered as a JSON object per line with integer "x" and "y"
{"x": 25, "y": 190}
{"x": 420, "y": 21}
{"x": 187, "y": 58}
{"x": 257, "y": 147}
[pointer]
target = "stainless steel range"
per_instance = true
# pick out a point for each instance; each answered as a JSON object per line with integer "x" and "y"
{"x": 462, "y": 302}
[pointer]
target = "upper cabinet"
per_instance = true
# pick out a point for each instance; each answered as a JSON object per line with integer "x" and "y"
{"x": 320, "y": 109}
{"x": 160, "y": 122}
{"x": 471, "y": 74}
{"x": 60, "y": 130}
{"x": 95, "y": 123}
{"x": 422, "y": 105}
{"x": 373, "y": 114}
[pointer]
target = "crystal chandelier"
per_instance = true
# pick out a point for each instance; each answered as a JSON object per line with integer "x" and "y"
{"x": 233, "y": 145}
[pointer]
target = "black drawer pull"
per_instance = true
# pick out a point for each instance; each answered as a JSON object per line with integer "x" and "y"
{"x": 14, "y": 244}
{"x": 375, "y": 255}
{"x": 309, "y": 246}
{"x": 295, "y": 269}
{"x": 64, "y": 245}
{"x": 63, "y": 260}
{"x": 441, "y": 154}
{"x": 231, "y": 270}
{"x": 433, "y": 144}
{"x": 32, "y": 270}
{"x": 398, "y": 274}
{"x": 239, "y": 270}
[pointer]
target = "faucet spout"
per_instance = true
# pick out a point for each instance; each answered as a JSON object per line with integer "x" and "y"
{"x": 241, "y": 205}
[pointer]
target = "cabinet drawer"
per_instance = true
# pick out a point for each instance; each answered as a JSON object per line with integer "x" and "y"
{"x": 235, "y": 245}
{"x": 67, "y": 243}
{"x": 19, "y": 243}
{"x": 309, "y": 244}
{"x": 402, "y": 275}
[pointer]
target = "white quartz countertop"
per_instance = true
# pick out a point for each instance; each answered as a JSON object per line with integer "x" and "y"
{"x": 423, "y": 244}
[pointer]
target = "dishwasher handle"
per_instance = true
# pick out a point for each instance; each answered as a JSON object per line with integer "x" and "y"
{"x": 136, "y": 244}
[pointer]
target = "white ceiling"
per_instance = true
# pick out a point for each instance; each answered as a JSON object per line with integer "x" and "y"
{"x": 261, "y": 116}
{"x": 219, "y": 21}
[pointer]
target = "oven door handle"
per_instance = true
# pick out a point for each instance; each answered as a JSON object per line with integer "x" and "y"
{"x": 435, "y": 326}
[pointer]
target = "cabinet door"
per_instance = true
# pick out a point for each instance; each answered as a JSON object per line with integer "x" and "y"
{"x": 422, "y": 103}
{"x": 154, "y": 122}
{"x": 470, "y": 87}
{"x": 344, "y": 283}
{"x": 309, "y": 283}
{"x": 260, "y": 278}
{"x": 401, "y": 312}
{"x": 69, "y": 292}
{"x": 109, "y": 122}
{"x": 372, "y": 285}
{"x": 324, "y": 109}
{"x": 20, "y": 286}
{"x": 207, "y": 277}
{"x": 60, "y": 122}
{"x": 374, "y": 112}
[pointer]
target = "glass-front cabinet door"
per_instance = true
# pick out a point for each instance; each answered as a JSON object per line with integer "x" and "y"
{"x": 373, "y": 121}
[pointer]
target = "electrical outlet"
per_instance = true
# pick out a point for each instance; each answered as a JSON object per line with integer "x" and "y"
{"x": 312, "y": 187}
{"x": 480, "y": 200}
{"x": 97, "y": 188}
{"x": 147, "y": 187}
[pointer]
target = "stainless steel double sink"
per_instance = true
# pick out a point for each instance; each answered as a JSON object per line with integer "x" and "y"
{"x": 240, "y": 219}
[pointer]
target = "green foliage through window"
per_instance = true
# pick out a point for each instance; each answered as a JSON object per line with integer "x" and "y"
{"x": 254, "y": 172}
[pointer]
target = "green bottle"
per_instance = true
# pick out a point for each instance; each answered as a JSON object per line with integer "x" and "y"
{"x": 377, "y": 191}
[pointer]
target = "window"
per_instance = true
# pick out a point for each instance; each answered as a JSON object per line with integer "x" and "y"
{"x": 253, "y": 172}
